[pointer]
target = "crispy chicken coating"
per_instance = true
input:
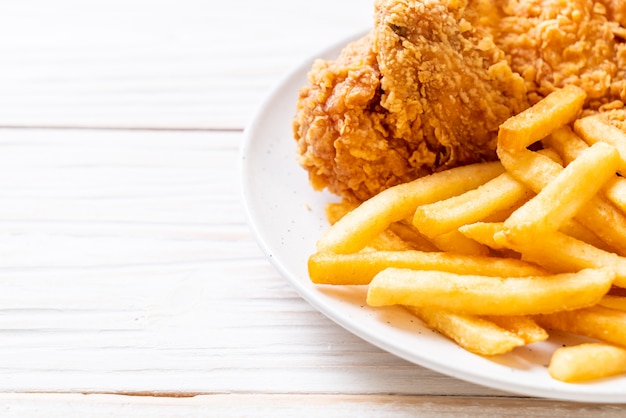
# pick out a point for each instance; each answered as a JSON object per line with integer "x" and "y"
{"x": 343, "y": 138}
{"x": 445, "y": 83}
{"x": 424, "y": 91}
{"x": 427, "y": 89}
{"x": 552, "y": 43}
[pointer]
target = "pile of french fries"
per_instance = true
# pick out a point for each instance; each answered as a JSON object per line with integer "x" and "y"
{"x": 497, "y": 255}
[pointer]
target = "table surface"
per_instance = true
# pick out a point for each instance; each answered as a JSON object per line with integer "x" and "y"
{"x": 131, "y": 283}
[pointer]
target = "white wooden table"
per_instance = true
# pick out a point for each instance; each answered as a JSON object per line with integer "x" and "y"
{"x": 130, "y": 283}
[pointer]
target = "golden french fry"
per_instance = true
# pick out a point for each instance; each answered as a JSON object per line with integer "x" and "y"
{"x": 562, "y": 253}
{"x": 566, "y": 194}
{"x": 566, "y": 143}
{"x": 455, "y": 242}
{"x": 553, "y": 155}
{"x": 589, "y": 361}
{"x": 501, "y": 193}
{"x": 613, "y": 302}
{"x": 387, "y": 241}
{"x": 356, "y": 229}
{"x": 594, "y": 129}
{"x": 360, "y": 268}
{"x": 522, "y": 326}
{"x": 399, "y": 236}
{"x": 576, "y": 230}
{"x": 474, "y": 334}
{"x": 482, "y": 295}
{"x": 616, "y": 192}
{"x": 606, "y": 221}
{"x": 556, "y": 216}
{"x": 536, "y": 171}
{"x": 555, "y": 110}
{"x": 599, "y": 322}
{"x": 484, "y": 232}
{"x": 570, "y": 146}
{"x": 412, "y": 236}
{"x": 501, "y": 215}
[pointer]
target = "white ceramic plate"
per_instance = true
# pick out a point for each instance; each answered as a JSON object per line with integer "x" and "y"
{"x": 287, "y": 217}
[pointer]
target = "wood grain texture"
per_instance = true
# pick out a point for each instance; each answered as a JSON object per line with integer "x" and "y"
{"x": 332, "y": 406}
{"x": 186, "y": 64}
{"x": 127, "y": 269}
{"x": 131, "y": 283}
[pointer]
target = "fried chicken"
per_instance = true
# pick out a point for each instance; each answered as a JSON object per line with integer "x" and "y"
{"x": 445, "y": 83}
{"x": 427, "y": 89}
{"x": 343, "y": 139}
{"x": 552, "y": 43}
{"x": 424, "y": 91}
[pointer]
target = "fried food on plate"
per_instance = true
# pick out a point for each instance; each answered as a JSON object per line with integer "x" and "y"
{"x": 438, "y": 84}
{"x": 424, "y": 91}
{"x": 428, "y": 87}
{"x": 554, "y": 43}
{"x": 547, "y": 266}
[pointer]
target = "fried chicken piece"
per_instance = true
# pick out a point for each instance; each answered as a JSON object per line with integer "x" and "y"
{"x": 425, "y": 91}
{"x": 445, "y": 81}
{"x": 343, "y": 139}
{"x": 615, "y": 11}
{"x": 552, "y": 43}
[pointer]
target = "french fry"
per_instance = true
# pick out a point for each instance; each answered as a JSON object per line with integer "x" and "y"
{"x": 616, "y": 193}
{"x": 360, "y": 268}
{"x": 606, "y": 324}
{"x": 533, "y": 169}
{"x": 553, "y": 155}
{"x": 501, "y": 215}
{"x": 501, "y": 193}
{"x": 474, "y": 334}
{"x": 565, "y": 195}
{"x": 613, "y": 302}
{"x": 606, "y": 221}
{"x": 570, "y": 146}
{"x": 555, "y": 110}
{"x": 522, "y": 326}
{"x": 485, "y": 233}
{"x": 387, "y": 241}
{"x": 589, "y": 361}
{"x": 536, "y": 171}
{"x": 412, "y": 236}
{"x": 481, "y": 295}
{"x": 458, "y": 243}
{"x": 576, "y": 230}
{"x": 556, "y": 218}
{"x": 566, "y": 143}
{"x": 561, "y": 253}
{"x": 356, "y": 229}
{"x": 594, "y": 129}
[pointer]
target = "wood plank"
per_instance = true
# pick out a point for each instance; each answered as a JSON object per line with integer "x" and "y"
{"x": 128, "y": 267}
{"x": 246, "y": 405}
{"x": 157, "y": 64}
